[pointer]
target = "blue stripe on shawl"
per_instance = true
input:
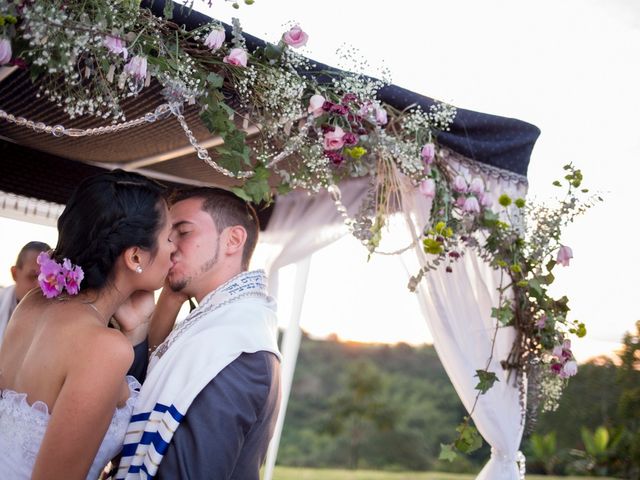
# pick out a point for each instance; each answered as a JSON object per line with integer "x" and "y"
{"x": 129, "y": 449}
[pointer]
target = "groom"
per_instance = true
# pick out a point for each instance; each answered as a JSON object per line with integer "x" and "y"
{"x": 208, "y": 406}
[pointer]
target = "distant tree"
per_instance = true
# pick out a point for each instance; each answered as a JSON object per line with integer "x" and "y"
{"x": 628, "y": 377}
{"x": 360, "y": 407}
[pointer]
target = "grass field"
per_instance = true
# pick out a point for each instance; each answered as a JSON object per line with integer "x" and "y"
{"x": 289, "y": 473}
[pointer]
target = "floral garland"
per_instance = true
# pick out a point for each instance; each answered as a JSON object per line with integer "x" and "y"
{"x": 90, "y": 55}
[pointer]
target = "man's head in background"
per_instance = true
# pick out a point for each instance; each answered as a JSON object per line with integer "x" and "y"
{"x": 25, "y": 271}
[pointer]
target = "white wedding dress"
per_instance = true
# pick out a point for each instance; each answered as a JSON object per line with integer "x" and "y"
{"x": 22, "y": 428}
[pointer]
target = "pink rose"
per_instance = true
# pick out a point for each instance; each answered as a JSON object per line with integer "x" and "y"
{"x": 428, "y": 188}
{"x": 564, "y": 255}
{"x": 215, "y": 39}
{"x": 116, "y": 45}
{"x": 237, "y": 57}
{"x": 459, "y": 184}
{"x": 315, "y": 105}
{"x": 476, "y": 186}
{"x": 471, "y": 205}
{"x": 295, "y": 37}
{"x": 137, "y": 67}
{"x": 428, "y": 153}
{"x": 334, "y": 140}
{"x": 5, "y": 50}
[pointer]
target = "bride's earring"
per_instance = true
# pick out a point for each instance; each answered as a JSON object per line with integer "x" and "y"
{"x": 138, "y": 269}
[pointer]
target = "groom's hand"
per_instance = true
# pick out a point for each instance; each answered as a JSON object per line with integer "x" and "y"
{"x": 134, "y": 316}
{"x": 164, "y": 316}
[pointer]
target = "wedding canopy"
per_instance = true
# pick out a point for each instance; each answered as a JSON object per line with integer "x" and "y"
{"x": 456, "y": 305}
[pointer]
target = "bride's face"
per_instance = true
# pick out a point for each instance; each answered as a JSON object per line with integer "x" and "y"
{"x": 158, "y": 265}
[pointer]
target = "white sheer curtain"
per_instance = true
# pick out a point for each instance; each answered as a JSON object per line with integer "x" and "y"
{"x": 457, "y": 307}
{"x": 299, "y": 226}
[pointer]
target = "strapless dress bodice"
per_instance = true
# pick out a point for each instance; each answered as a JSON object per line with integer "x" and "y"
{"x": 22, "y": 428}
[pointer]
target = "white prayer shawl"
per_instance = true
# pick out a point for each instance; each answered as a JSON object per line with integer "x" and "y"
{"x": 236, "y": 318}
{"x": 8, "y": 304}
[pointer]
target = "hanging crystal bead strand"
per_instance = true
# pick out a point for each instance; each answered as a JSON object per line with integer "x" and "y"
{"x": 336, "y": 196}
{"x": 61, "y": 131}
{"x": 203, "y": 154}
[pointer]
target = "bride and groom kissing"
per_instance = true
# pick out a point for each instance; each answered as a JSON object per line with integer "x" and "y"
{"x": 210, "y": 393}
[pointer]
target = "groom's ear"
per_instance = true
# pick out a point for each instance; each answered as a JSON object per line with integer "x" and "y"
{"x": 235, "y": 239}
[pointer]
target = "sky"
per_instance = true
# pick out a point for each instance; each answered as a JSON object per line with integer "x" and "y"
{"x": 570, "y": 67}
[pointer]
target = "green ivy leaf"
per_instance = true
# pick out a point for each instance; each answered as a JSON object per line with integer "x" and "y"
{"x": 216, "y": 119}
{"x": 487, "y": 379}
{"x": 489, "y": 219}
{"x": 548, "y": 279}
{"x": 272, "y": 52}
{"x": 447, "y": 453}
{"x": 469, "y": 439}
{"x": 256, "y": 189}
{"x": 534, "y": 284}
{"x": 215, "y": 80}
{"x": 503, "y": 314}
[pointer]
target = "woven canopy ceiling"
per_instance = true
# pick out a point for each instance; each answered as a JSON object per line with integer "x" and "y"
{"x": 43, "y": 166}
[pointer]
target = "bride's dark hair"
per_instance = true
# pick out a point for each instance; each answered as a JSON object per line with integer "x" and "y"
{"x": 107, "y": 214}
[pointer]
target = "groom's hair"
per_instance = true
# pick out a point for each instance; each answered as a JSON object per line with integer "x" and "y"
{"x": 226, "y": 210}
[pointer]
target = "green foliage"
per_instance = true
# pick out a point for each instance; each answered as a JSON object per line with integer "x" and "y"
{"x": 486, "y": 380}
{"x": 256, "y": 189}
{"x": 409, "y": 408}
{"x": 543, "y": 450}
{"x": 447, "y": 452}
{"x": 469, "y": 439}
{"x": 289, "y": 473}
{"x": 598, "y": 422}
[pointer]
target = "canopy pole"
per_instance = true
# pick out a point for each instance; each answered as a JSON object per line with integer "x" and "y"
{"x": 290, "y": 348}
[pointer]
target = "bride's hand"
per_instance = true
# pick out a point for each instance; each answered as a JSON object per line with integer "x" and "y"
{"x": 134, "y": 314}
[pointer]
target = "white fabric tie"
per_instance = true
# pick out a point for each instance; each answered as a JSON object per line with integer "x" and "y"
{"x": 518, "y": 458}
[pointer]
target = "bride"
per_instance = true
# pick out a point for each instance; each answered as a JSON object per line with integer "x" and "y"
{"x": 64, "y": 399}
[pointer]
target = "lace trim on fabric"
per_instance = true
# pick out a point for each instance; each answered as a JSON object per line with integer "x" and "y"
{"x": 480, "y": 167}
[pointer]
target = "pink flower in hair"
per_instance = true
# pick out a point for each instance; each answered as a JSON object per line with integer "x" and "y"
{"x": 51, "y": 279}
{"x": 73, "y": 275}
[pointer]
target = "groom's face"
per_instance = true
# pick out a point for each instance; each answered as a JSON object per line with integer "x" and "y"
{"x": 196, "y": 260}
